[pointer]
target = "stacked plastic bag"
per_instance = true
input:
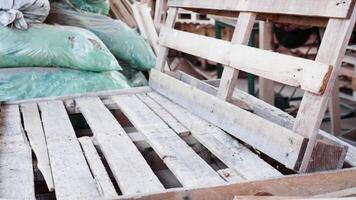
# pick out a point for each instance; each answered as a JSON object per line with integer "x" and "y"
{"x": 51, "y": 60}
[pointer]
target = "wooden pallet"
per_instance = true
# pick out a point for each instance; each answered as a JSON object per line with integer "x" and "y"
{"x": 107, "y": 160}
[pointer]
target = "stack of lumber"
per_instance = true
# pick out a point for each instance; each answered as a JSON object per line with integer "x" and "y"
{"x": 121, "y": 9}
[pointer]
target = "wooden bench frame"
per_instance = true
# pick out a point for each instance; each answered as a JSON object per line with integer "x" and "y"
{"x": 316, "y": 77}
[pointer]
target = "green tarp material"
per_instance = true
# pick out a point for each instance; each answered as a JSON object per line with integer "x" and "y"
{"x": 94, "y": 6}
{"x": 27, "y": 83}
{"x": 54, "y": 46}
{"x": 125, "y": 43}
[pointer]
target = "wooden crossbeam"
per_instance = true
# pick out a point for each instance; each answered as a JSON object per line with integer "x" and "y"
{"x": 315, "y": 8}
{"x": 311, "y": 76}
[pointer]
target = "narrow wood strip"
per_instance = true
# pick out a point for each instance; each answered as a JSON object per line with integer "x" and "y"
{"x": 315, "y": 8}
{"x": 237, "y": 157}
{"x": 163, "y": 51}
{"x": 71, "y": 174}
{"x": 276, "y": 141}
{"x": 349, "y": 192}
{"x": 15, "y": 157}
{"x": 105, "y": 186}
{"x": 167, "y": 117}
{"x": 309, "y": 75}
{"x": 190, "y": 169}
{"x": 304, "y": 185}
{"x": 242, "y": 32}
{"x": 130, "y": 169}
{"x": 33, "y": 126}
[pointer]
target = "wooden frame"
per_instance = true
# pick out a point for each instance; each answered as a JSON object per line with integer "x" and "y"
{"x": 178, "y": 112}
{"x": 309, "y": 118}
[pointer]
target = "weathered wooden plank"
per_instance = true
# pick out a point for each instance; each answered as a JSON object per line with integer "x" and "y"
{"x": 315, "y": 8}
{"x": 167, "y": 117}
{"x": 15, "y": 157}
{"x": 278, "y": 142}
{"x": 309, "y": 118}
{"x": 163, "y": 51}
{"x": 33, "y": 126}
{"x": 104, "y": 184}
{"x": 101, "y": 94}
{"x": 266, "y": 111}
{"x": 242, "y": 32}
{"x": 130, "y": 169}
{"x": 71, "y": 174}
{"x": 349, "y": 192}
{"x": 190, "y": 169}
{"x": 237, "y": 157}
{"x": 305, "y": 185}
{"x": 309, "y": 75}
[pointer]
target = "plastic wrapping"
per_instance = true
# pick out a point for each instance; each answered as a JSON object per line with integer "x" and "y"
{"x": 125, "y": 43}
{"x": 54, "y": 46}
{"x": 94, "y": 6}
{"x": 27, "y": 83}
{"x": 21, "y": 12}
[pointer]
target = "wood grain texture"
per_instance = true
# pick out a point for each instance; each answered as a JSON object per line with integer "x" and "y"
{"x": 15, "y": 157}
{"x": 128, "y": 166}
{"x": 190, "y": 169}
{"x": 71, "y": 174}
{"x": 309, "y": 75}
{"x": 316, "y": 8}
{"x": 278, "y": 142}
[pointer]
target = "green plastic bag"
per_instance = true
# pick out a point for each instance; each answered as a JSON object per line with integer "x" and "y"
{"x": 125, "y": 43}
{"x": 45, "y": 45}
{"x": 94, "y": 6}
{"x": 28, "y": 83}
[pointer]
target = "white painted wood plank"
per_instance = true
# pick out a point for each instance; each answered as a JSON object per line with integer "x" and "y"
{"x": 276, "y": 141}
{"x": 104, "y": 184}
{"x": 247, "y": 165}
{"x": 71, "y": 174}
{"x": 322, "y": 8}
{"x": 33, "y": 126}
{"x": 167, "y": 117}
{"x": 130, "y": 169}
{"x": 309, "y": 75}
{"x": 190, "y": 169}
{"x": 16, "y": 170}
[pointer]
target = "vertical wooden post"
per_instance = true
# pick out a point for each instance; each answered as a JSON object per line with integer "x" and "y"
{"x": 241, "y": 35}
{"x": 334, "y": 110}
{"x": 266, "y": 92}
{"x": 163, "y": 51}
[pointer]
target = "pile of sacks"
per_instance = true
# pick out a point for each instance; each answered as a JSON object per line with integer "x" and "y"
{"x": 54, "y": 49}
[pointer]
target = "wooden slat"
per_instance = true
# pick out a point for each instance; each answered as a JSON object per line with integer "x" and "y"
{"x": 163, "y": 51}
{"x": 277, "y": 142}
{"x": 130, "y": 169}
{"x": 105, "y": 186}
{"x": 33, "y": 126}
{"x": 311, "y": 76}
{"x": 315, "y": 8}
{"x": 190, "y": 169}
{"x": 247, "y": 165}
{"x": 305, "y": 185}
{"x": 266, "y": 111}
{"x": 71, "y": 174}
{"x": 16, "y": 175}
{"x": 242, "y": 32}
{"x": 349, "y": 192}
{"x": 167, "y": 117}
{"x": 309, "y": 118}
